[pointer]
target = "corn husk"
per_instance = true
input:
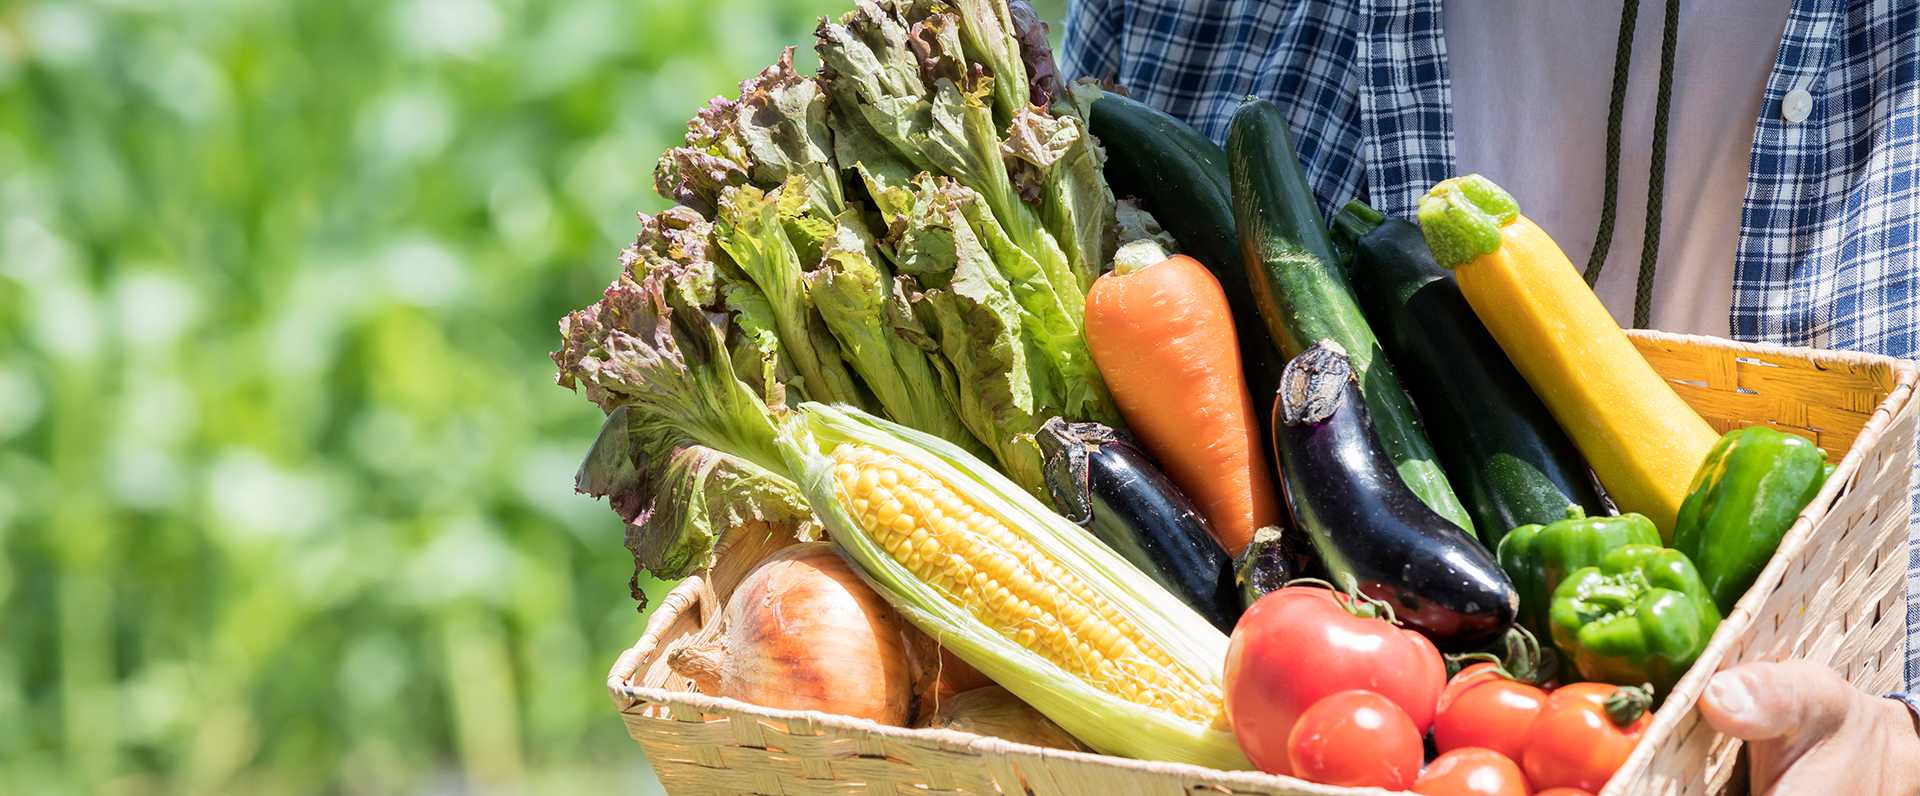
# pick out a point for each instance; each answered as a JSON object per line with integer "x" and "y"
{"x": 1108, "y": 723}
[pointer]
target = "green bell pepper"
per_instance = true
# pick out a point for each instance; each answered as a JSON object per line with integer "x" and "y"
{"x": 1538, "y": 557}
{"x": 1641, "y": 616}
{"x": 1745, "y": 496}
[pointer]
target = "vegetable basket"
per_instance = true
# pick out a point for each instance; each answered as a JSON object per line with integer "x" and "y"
{"x": 1834, "y": 592}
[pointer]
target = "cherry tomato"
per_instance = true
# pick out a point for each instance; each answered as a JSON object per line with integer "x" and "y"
{"x": 1563, "y": 792}
{"x": 1298, "y": 644}
{"x": 1572, "y": 743}
{"x": 1482, "y": 708}
{"x": 1356, "y": 739}
{"x": 1472, "y": 771}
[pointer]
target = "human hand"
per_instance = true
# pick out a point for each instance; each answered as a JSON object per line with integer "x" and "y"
{"x": 1810, "y": 732}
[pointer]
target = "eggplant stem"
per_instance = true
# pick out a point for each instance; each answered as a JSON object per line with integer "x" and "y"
{"x": 1312, "y": 387}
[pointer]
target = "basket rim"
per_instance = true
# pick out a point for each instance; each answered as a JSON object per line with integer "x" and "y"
{"x": 1856, "y": 358}
{"x": 1899, "y": 400}
{"x": 628, "y": 698}
{"x": 1679, "y": 705}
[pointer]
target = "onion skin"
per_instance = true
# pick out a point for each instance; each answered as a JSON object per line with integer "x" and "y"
{"x": 996, "y": 712}
{"x": 951, "y": 678}
{"x": 803, "y": 632}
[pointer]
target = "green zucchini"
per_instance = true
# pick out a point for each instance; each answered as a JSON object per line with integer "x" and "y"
{"x": 1507, "y": 459}
{"x": 1303, "y": 294}
{"x": 1181, "y": 177}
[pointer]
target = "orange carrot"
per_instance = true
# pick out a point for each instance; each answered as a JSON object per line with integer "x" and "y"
{"x": 1163, "y": 338}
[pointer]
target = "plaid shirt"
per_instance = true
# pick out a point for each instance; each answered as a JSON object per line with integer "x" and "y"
{"x": 1829, "y": 252}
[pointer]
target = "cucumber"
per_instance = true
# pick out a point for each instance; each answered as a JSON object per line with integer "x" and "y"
{"x": 1303, "y": 295}
{"x": 1508, "y": 461}
{"x": 1181, "y": 177}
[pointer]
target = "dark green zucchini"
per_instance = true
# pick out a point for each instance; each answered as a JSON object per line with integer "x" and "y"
{"x": 1303, "y": 294}
{"x": 1181, "y": 177}
{"x": 1507, "y": 459}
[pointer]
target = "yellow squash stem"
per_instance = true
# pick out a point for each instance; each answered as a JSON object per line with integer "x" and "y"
{"x": 1641, "y": 439}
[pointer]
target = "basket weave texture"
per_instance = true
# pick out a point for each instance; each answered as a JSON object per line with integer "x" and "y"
{"x": 1835, "y": 592}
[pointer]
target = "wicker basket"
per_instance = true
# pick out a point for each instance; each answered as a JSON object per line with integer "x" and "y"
{"x": 1835, "y": 592}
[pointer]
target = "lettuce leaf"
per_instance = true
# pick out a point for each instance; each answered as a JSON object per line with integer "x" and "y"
{"x": 645, "y": 347}
{"x": 912, "y": 231}
{"x": 988, "y": 30}
{"x": 853, "y": 290}
{"x": 1054, "y": 158}
{"x": 685, "y": 500}
{"x": 695, "y": 178}
{"x": 751, "y": 227}
{"x": 753, "y": 342}
{"x": 1003, "y": 381}
{"x": 697, "y": 495}
{"x": 1065, "y": 380}
{"x": 688, "y": 450}
{"x": 781, "y": 117}
{"x": 1036, "y": 53}
{"x": 874, "y": 78}
{"x": 776, "y": 128}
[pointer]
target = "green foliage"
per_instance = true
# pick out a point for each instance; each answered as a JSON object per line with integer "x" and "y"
{"x": 285, "y": 486}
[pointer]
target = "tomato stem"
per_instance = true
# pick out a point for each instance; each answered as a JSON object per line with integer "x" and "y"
{"x": 1628, "y": 703}
{"x": 1358, "y": 604}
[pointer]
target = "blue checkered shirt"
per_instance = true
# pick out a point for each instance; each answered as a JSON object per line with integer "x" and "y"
{"x": 1829, "y": 251}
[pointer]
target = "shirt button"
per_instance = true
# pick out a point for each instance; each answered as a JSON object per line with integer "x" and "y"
{"x": 1796, "y": 105}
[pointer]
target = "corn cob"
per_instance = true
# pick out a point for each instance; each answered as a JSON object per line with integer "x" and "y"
{"x": 976, "y": 563}
{"x": 1015, "y": 590}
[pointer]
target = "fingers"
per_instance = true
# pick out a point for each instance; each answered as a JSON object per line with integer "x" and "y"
{"x": 1795, "y": 702}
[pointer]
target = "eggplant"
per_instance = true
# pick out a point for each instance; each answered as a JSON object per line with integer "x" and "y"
{"x": 1268, "y": 563}
{"x": 1102, "y": 481}
{"x": 1368, "y": 529}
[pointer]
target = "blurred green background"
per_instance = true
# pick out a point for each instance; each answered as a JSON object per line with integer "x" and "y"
{"x": 285, "y": 485}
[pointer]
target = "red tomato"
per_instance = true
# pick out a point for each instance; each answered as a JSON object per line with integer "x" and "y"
{"x": 1472, "y": 771}
{"x": 1355, "y": 739}
{"x": 1299, "y": 644}
{"x": 1481, "y": 708}
{"x": 1563, "y": 792}
{"x": 1471, "y": 674}
{"x": 1573, "y": 744}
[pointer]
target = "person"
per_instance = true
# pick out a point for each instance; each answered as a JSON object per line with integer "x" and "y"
{"x": 1737, "y": 168}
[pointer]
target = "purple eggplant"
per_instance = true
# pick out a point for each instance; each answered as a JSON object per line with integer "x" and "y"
{"x": 1368, "y": 529}
{"x": 1269, "y": 563}
{"x": 1103, "y": 482}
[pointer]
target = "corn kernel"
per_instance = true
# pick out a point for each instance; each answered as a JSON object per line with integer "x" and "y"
{"x": 1009, "y": 584}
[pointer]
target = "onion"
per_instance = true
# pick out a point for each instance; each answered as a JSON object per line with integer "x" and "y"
{"x": 995, "y": 711}
{"x": 952, "y": 678}
{"x": 802, "y": 632}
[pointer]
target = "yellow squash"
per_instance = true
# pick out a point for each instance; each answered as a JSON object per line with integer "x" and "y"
{"x": 1641, "y": 439}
